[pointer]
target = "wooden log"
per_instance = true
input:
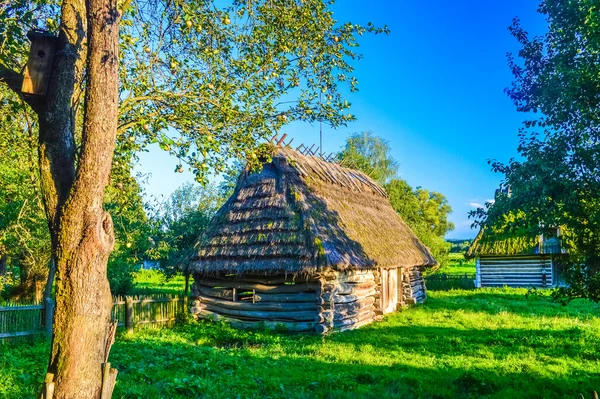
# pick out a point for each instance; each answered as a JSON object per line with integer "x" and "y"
{"x": 243, "y": 324}
{"x": 214, "y": 292}
{"x": 355, "y": 278}
{"x": 268, "y": 280}
{"x": 349, "y": 288}
{"x": 354, "y": 320}
{"x": 248, "y": 305}
{"x": 312, "y": 315}
{"x": 354, "y": 306}
{"x": 260, "y": 288}
{"x": 350, "y": 313}
{"x": 345, "y": 298}
{"x": 291, "y": 298}
{"x": 356, "y": 325}
{"x": 129, "y": 314}
{"x": 322, "y": 328}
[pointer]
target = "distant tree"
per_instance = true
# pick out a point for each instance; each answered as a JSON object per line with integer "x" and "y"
{"x": 24, "y": 238}
{"x": 557, "y": 84}
{"x": 426, "y": 213}
{"x": 179, "y": 222}
{"x": 370, "y": 154}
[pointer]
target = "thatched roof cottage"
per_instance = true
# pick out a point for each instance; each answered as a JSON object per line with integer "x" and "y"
{"x": 516, "y": 259}
{"x": 307, "y": 245}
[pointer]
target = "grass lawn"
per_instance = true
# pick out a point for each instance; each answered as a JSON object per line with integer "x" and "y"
{"x": 458, "y": 265}
{"x": 489, "y": 343}
{"x": 149, "y": 282}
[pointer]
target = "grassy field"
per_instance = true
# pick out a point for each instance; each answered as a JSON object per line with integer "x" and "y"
{"x": 458, "y": 265}
{"x": 492, "y": 343}
{"x": 148, "y": 282}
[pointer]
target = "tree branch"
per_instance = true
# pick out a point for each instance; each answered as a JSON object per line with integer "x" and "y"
{"x": 12, "y": 79}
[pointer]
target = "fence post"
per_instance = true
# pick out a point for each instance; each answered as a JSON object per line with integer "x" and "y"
{"x": 49, "y": 314}
{"x": 129, "y": 314}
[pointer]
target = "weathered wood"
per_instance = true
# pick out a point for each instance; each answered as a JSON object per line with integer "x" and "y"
{"x": 273, "y": 325}
{"x": 345, "y": 298}
{"x": 275, "y": 306}
{"x": 349, "y": 288}
{"x": 260, "y": 288}
{"x": 356, "y": 325}
{"x": 39, "y": 63}
{"x": 361, "y": 303}
{"x": 356, "y": 278}
{"x": 354, "y": 320}
{"x": 322, "y": 328}
{"x": 213, "y": 292}
{"x": 306, "y": 315}
{"x": 267, "y": 280}
{"x": 350, "y": 313}
{"x": 129, "y": 314}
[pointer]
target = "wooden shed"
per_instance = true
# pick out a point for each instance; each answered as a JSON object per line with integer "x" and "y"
{"x": 306, "y": 245}
{"x": 516, "y": 260}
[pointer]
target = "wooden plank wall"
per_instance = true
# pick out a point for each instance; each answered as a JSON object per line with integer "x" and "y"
{"x": 515, "y": 271}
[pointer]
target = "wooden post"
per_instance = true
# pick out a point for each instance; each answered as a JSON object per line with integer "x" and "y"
{"x": 129, "y": 314}
{"x": 49, "y": 314}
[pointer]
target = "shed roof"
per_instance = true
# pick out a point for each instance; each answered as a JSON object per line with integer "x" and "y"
{"x": 300, "y": 215}
{"x": 491, "y": 243}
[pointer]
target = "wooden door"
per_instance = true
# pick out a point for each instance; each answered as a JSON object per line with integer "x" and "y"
{"x": 389, "y": 290}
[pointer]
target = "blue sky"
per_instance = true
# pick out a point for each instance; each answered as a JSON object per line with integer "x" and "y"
{"x": 433, "y": 88}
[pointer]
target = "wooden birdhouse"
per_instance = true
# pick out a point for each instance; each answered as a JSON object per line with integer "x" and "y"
{"x": 39, "y": 63}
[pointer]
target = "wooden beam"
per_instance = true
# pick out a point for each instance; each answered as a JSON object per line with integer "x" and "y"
{"x": 308, "y": 315}
{"x": 271, "y": 306}
{"x": 281, "y": 139}
{"x": 237, "y": 323}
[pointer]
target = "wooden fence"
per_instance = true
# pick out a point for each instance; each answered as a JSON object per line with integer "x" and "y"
{"x": 445, "y": 281}
{"x": 22, "y": 319}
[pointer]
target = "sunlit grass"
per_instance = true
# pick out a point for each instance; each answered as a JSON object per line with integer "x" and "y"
{"x": 492, "y": 343}
{"x": 150, "y": 282}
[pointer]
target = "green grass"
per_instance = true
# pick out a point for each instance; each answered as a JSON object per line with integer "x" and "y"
{"x": 490, "y": 343}
{"x": 458, "y": 265}
{"x": 148, "y": 282}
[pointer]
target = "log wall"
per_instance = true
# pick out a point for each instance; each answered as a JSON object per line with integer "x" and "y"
{"x": 329, "y": 301}
{"x": 349, "y": 300}
{"x": 259, "y": 301}
{"x": 413, "y": 286}
{"x": 515, "y": 271}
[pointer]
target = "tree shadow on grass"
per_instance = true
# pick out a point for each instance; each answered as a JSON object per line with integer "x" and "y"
{"x": 184, "y": 370}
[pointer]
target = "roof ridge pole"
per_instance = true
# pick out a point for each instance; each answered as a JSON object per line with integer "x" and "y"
{"x": 281, "y": 139}
{"x": 320, "y": 127}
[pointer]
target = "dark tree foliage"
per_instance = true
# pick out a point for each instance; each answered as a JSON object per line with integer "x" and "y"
{"x": 556, "y": 181}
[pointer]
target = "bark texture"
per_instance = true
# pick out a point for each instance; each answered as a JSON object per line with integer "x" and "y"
{"x": 82, "y": 232}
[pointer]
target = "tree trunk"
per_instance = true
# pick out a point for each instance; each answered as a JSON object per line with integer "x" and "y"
{"x": 50, "y": 280}
{"x": 3, "y": 261}
{"x": 82, "y": 233}
{"x": 186, "y": 289}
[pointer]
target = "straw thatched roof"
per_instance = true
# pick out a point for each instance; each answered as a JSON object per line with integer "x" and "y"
{"x": 489, "y": 243}
{"x": 300, "y": 214}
